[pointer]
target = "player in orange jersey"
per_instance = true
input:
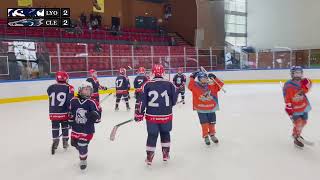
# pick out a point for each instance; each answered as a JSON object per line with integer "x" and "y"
{"x": 297, "y": 103}
{"x": 205, "y": 102}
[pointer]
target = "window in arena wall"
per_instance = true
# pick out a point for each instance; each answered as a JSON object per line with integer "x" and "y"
{"x": 236, "y": 22}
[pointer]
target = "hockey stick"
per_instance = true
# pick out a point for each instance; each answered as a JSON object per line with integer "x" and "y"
{"x": 115, "y": 128}
{"x": 205, "y": 71}
{"x": 309, "y": 143}
{"x": 105, "y": 98}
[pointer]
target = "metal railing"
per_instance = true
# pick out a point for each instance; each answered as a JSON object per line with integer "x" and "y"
{"x": 276, "y": 58}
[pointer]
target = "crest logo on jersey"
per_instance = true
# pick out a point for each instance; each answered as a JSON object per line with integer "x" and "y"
{"x": 206, "y": 96}
{"x": 26, "y": 22}
{"x": 81, "y": 116}
{"x": 25, "y": 12}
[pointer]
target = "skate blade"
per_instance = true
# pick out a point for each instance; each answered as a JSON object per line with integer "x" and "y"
{"x": 309, "y": 143}
{"x": 298, "y": 147}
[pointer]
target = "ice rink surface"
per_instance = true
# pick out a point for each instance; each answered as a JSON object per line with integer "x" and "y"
{"x": 253, "y": 129}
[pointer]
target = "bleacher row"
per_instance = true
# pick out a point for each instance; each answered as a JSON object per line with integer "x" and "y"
{"x": 73, "y": 56}
{"x": 127, "y": 34}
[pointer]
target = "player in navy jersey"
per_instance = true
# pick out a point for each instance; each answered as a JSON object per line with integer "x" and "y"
{"x": 138, "y": 82}
{"x": 84, "y": 112}
{"x": 93, "y": 79}
{"x": 122, "y": 88}
{"x": 157, "y": 100}
{"x": 60, "y": 95}
{"x": 179, "y": 80}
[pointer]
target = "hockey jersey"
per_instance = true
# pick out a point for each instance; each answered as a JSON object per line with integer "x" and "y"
{"x": 295, "y": 97}
{"x": 79, "y": 122}
{"x": 122, "y": 85}
{"x": 139, "y": 81}
{"x": 96, "y": 86}
{"x": 157, "y": 100}
{"x": 60, "y": 95}
{"x": 179, "y": 80}
{"x": 205, "y": 98}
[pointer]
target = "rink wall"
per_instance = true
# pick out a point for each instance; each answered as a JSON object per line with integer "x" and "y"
{"x": 20, "y": 91}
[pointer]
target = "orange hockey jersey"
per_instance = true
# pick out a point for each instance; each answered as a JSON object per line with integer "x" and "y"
{"x": 296, "y": 98}
{"x": 205, "y": 98}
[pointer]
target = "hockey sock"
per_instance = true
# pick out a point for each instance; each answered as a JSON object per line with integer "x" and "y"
{"x": 65, "y": 130}
{"x": 212, "y": 129}
{"x": 298, "y": 126}
{"x": 83, "y": 149}
{"x": 205, "y": 129}
{"x": 55, "y": 130}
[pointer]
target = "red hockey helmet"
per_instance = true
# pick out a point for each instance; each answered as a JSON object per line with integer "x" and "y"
{"x": 180, "y": 70}
{"x": 93, "y": 73}
{"x": 141, "y": 70}
{"x": 158, "y": 70}
{"x": 122, "y": 71}
{"x": 62, "y": 77}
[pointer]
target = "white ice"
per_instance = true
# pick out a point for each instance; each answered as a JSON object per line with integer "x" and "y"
{"x": 253, "y": 129}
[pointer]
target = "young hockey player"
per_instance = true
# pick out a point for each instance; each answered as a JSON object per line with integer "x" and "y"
{"x": 297, "y": 103}
{"x": 138, "y": 82}
{"x": 179, "y": 80}
{"x": 93, "y": 79}
{"x": 122, "y": 88}
{"x": 205, "y": 102}
{"x": 60, "y": 95}
{"x": 157, "y": 100}
{"x": 84, "y": 112}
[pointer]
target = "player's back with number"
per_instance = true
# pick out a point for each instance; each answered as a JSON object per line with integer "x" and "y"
{"x": 159, "y": 96}
{"x": 139, "y": 81}
{"x": 122, "y": 84}
{"x": 60, "y": 95}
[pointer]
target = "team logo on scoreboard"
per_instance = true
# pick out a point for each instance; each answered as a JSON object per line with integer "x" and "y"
{"x": 26, "y": 22}
{"x": 25, "y": 12}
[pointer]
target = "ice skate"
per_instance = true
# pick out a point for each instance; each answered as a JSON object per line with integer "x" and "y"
{"x": 149, "y": 158}
{"x": 54, "y": 146}
{"x": 214, "y": 139}
{"x": 83, "y": 164}
{"x": 65, "y": 144}
{"x": 207, "y": 140}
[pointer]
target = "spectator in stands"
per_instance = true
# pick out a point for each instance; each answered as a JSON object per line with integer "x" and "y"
{"x": 83, "y": 19}
{"x": 99, "y": 19}
{"x": 173, "y": 41}
{"x": 98, "y": 47}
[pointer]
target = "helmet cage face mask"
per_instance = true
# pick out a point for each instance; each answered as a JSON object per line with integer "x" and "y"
{"x": 297, "y": 75}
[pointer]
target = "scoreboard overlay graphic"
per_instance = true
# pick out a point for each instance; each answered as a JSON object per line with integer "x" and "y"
{"x": 39, "y": 17}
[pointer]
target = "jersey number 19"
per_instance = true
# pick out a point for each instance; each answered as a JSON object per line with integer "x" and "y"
{"x": 60, "y": 97}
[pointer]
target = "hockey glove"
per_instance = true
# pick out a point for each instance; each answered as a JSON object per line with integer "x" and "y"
{"x": 289, "y": 109}
{"x": 138, "y": 117}
{"x": 93, "y": 116}
{"x": 306, "y": 85}
{"x": 212, "y": 76}
{"x": 194, "y": 74}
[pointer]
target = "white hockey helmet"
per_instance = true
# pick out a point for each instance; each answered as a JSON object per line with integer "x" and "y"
{"x": 84, "y": 91}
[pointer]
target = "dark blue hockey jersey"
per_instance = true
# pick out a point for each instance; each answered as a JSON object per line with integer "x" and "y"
{"x": 60, "y": 95}
{"x": 78, "y": 109}
{"x": 96, "y": 86}
{"x": 122, "y": 85}
{"x": 179, "y": 80}
{"x": 158, "y": 98}
{"x": 139, "y": 81}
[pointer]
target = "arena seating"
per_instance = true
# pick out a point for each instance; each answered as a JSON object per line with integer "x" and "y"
{"x": 127, "y": 34}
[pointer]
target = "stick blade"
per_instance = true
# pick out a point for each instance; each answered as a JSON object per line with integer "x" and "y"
{"x": 113, "y": 133}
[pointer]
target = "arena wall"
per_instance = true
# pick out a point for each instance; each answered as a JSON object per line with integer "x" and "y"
{"x": 288, "y": 23}
{"x": 20, "y": 91}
